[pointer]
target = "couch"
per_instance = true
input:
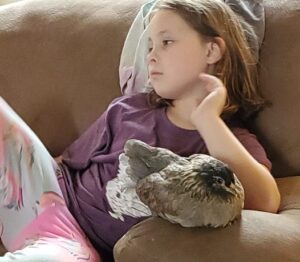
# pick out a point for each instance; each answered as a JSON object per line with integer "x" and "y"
{"x": 59, "y": 69}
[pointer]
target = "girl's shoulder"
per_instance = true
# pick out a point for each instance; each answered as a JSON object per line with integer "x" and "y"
{"x": 130, "y": 102}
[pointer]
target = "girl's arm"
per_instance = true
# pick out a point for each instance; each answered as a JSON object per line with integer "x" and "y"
{"x": 261, "y": 192}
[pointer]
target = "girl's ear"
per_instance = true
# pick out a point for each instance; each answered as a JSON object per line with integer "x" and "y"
{"x": 215, "y": 50}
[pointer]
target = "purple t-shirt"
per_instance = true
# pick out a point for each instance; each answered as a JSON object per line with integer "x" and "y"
{"x": 92, "y": 160}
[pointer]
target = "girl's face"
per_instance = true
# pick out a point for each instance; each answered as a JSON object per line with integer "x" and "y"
{"x": 177, "y": 55}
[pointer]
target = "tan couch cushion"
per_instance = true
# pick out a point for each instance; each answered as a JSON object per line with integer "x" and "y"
{"x": 279, "y": 126}
{"x": 59, "y": 62}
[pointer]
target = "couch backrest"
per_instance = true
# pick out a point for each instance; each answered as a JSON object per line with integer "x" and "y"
{"x": 59, "y": 69}
{"x": 59, "y": 62}
{"x": 279, "y": 126}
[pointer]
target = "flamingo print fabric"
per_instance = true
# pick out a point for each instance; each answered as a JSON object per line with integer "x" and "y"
{"x": 35, "y": 223}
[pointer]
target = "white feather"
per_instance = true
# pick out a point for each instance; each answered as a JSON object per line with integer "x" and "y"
{"x": 121, "y": 195}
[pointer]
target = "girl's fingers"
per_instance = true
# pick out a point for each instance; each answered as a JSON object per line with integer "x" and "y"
{"x": 215, "y": 88}
{"x": 210, "y": 82}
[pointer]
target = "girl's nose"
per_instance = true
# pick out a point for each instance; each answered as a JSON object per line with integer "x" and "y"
{"x": 152, "y": 56}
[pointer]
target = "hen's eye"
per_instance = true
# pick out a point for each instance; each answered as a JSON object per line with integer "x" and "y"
{"x": 219, "y": 180}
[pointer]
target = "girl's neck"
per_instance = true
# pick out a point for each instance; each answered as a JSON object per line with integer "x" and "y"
{"x": 179, "y": 114}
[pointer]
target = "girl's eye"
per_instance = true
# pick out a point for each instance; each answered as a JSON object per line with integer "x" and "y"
{"x": 167, "y": 42}
{"x": 164, "y": 43}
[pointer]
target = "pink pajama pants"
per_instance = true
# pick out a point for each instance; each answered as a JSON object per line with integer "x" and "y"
{"x": 35, "y": 224}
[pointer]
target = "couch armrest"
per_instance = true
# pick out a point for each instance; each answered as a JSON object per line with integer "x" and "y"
{"x": 257, "y": 236}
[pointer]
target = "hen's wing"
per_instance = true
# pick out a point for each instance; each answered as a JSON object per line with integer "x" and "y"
{"x": 121, "y": 194}
{"x": 144, "y": 159}
{"x": 153, "y": 191}
{"x": 162, "y": 192}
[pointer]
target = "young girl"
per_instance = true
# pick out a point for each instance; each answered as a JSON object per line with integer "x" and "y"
{"x": 204, "y": 81}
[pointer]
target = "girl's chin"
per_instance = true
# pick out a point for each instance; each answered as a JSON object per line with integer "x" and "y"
{"x": 163, "y": 94}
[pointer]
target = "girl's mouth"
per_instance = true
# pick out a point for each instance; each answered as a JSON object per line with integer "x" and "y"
{"x": 155, "y": 73}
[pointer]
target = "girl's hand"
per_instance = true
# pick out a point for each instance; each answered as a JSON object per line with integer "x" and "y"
{"x": 212, "y": 105}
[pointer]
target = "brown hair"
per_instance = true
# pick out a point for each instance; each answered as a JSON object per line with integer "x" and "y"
{"x": 237, "y": 69}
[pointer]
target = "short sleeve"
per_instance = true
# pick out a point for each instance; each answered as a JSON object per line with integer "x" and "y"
{"x": 252, "y": 145}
